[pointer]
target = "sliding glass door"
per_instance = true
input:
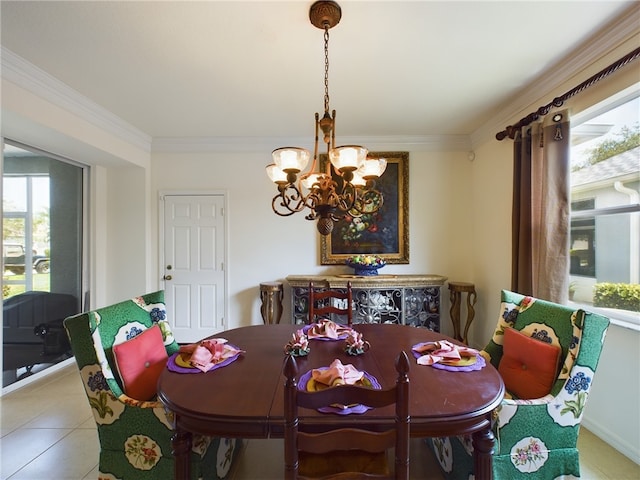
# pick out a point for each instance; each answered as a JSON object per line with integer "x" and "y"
{"x": 42, "y": 241}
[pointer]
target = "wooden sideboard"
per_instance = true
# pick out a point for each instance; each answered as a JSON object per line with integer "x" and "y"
{"x": 403, "y": 299}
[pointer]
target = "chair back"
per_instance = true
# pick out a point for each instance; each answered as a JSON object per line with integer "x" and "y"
{"x": 347, "y": 439}
{"x": 114, "y": 324}
{"x": 578, "y": 333}
{"x": 323, "y": 303}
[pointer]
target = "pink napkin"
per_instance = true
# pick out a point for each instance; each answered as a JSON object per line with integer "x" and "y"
{"x": 337, "y": 374}
{"x": 205, "y": 354}
{"x": 327, "y": 329}
{"x": 442, "y": 350}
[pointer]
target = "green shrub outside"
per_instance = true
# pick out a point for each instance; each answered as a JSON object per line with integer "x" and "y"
{"x": 625, "y": 296}
{"x": 41, "y": 283}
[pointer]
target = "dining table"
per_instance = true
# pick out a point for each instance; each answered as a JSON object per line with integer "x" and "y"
{"x": 245, "y": 397}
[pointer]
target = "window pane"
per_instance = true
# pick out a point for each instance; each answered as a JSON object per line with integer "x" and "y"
{"x": 605, "y": 205}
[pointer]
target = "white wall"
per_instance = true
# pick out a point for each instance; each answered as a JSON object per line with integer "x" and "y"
{"x": 491, "y": 234}
{"x": 265, "y": 247}
{"x": 613, "y": 411}
{"x": 127, "y": 233}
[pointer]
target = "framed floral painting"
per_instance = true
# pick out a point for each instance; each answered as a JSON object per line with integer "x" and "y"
{"x": 385, "y": 232}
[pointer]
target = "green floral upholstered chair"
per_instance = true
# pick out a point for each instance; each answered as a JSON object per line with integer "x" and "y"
{"x": 536, "y": 429}
{"x": 134, "y": 434}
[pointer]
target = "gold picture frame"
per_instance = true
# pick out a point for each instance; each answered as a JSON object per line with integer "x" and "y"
{"x": 384, "y": 233}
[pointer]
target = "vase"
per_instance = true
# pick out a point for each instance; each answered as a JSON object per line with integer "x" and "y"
{"x": 365, "y": 270}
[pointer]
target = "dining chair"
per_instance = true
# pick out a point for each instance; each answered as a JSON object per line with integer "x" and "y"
{"x": 324, "y": 303}
{"x": 134, "y": 429}
{"x": 346, "y": 453}
{"x": 547, "y": 355}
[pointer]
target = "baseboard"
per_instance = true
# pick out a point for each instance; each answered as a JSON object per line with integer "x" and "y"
{"x": 37, "y": 376}
{"x": 612, "y": 439}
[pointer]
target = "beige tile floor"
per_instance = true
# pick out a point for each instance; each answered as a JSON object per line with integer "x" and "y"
{"x": 47, "y": 432}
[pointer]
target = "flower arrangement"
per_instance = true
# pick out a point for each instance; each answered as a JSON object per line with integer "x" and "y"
{"x": 365, "y": 265}
{"x": 366, "y": 260}
{"x": 298, "y": 346}
{"x": 354, "y": 344}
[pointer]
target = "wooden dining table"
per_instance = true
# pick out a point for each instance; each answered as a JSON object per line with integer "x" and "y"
{"x": 245, "y": 399}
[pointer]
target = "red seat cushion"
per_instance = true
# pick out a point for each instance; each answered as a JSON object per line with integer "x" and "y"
{"x": 140, "y": 362}
{"x": 528, "y": 366}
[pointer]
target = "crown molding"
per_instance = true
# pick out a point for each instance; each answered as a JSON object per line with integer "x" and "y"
{"x": 573, "y": 64}
{"x": 267, "y": 144}
{"x": 23, "y": 73}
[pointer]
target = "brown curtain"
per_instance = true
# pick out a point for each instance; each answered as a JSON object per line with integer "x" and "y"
{"x": 540, "y": 218}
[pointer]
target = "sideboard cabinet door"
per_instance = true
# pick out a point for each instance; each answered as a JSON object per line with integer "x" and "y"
{"x": 403, "y": 299}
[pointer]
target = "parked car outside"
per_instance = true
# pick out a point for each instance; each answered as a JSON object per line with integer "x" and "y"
{"x": 13, "y": 258}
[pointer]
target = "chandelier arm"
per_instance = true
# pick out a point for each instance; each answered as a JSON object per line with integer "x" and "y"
{"x": 348, "y": 197}
{"x": 290, "y": 201}
{"x": 311, "y": 201}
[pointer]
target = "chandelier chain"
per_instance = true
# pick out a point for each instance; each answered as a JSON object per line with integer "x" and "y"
{"x": 326, "y": 68}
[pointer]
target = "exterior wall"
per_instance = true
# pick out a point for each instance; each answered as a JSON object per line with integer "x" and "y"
{"x": 613, "y": 237}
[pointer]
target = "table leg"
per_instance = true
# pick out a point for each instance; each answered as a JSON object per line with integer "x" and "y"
{"x": 483, "y": 444}
{"x": 181, "y": 448}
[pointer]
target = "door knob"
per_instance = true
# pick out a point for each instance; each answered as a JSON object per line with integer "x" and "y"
{"x": 167, "y": 277}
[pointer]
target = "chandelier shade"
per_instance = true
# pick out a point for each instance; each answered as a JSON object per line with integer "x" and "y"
{"x": 347, "y": 184}
{"x": 276, "y": 174}
{"x": 291, "y": 159}
{"x": 348, "y": 158}
{"x": 373, "y": 168}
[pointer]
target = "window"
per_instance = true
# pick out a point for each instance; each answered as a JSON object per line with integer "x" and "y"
{"x": 605, "y": 206}
{"x": 582, "y": 241}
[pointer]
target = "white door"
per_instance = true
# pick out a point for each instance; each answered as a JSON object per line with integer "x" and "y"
{"x": 194, "y": 279}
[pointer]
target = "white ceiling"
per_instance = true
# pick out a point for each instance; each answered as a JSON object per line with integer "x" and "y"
{"x": 255, "y": 69}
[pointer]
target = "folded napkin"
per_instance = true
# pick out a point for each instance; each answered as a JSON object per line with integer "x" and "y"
{"x": 327, "y": 329}
{"x": 442, "y": 351}
{"x": 205, "y": 354}
{"x": 337, "y": 374}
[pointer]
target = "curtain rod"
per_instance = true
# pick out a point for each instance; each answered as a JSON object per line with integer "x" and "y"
{"x": 511, "y": 130}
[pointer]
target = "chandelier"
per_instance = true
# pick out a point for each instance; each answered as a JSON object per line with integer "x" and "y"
{"x": 347, "y": 183}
